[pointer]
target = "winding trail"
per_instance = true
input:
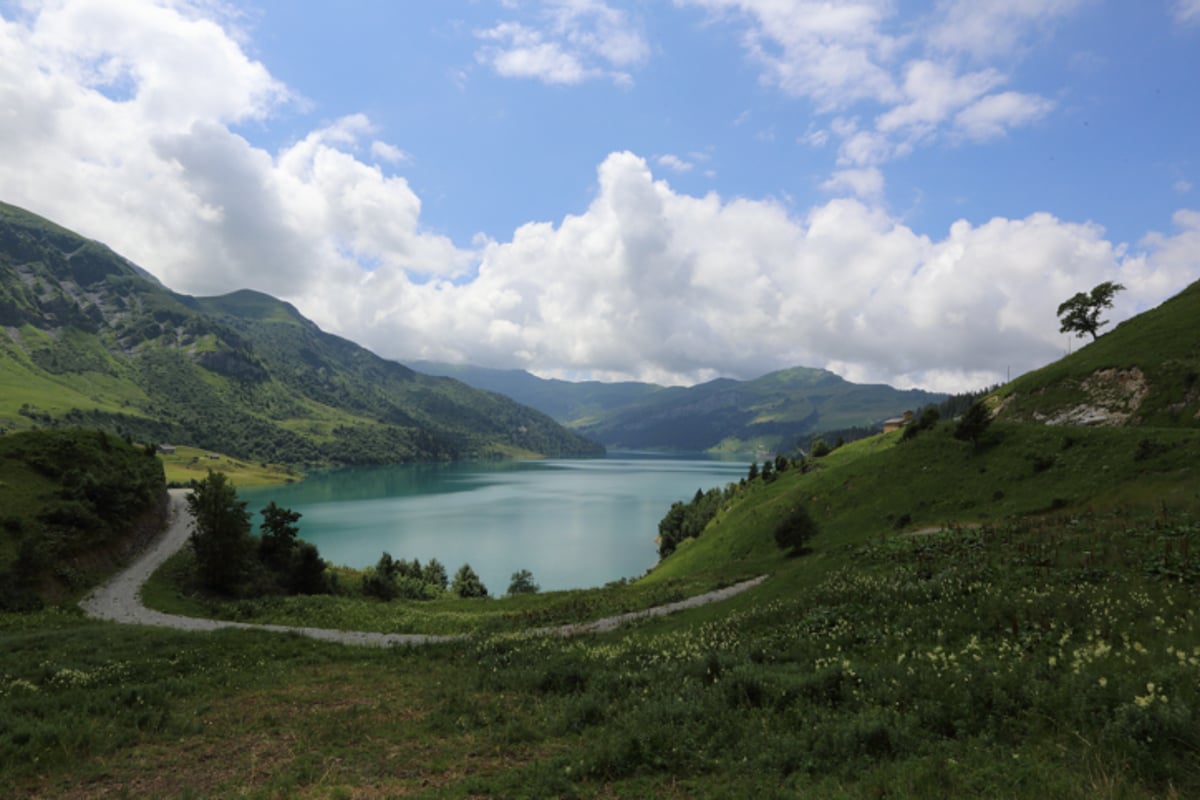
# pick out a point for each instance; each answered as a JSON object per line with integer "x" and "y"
{"x": 119, "y": 600}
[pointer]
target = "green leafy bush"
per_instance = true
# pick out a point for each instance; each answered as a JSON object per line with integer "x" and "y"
{"x": 794, "y": 531}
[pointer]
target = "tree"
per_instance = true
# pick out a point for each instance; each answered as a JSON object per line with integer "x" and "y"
{"x": 295, "y": 565}
{"x": 522, "y": 583}
{"x": 307, "y": 574}
{"x": 793, "y": 531}
{"x": 972, "y": 425}
{"x": 670, "y": 529}
{"x": 1081, "y": 314}
{"x": 435, "y": 574}
{"x": 278, "y": 538}
{"x": 467, "y": 583}
{"x": 221, "y": 537}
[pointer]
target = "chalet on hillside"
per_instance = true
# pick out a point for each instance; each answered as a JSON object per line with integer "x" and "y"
{"x": 896, "y": 423}
{"x": 166, "y": 449}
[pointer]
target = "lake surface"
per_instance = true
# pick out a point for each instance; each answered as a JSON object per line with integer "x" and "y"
{"x": 573, "y": 523}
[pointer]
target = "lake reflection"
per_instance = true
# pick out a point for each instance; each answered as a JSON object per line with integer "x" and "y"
{"x": 572, "y": 523}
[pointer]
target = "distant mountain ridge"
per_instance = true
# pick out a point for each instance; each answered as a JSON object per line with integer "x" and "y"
{"x": 768, "y": 413}
{"x": 569, "y": 402}
{"x": 89, "y": 339}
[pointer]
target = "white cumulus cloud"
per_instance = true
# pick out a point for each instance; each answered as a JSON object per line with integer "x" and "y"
{"x": 644, "y": 282}
{"x": 652, "y": 284}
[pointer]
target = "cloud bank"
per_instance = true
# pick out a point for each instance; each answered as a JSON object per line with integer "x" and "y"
{"x": 888, "y": 87}
{"x": 110, "y": 128}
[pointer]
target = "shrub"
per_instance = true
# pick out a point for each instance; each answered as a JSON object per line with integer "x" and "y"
{"x": 973, "y": 424}
{"x": 793, "y": 531}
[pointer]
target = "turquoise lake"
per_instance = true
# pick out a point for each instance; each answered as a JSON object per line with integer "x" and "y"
{"x": 573, "y": 523}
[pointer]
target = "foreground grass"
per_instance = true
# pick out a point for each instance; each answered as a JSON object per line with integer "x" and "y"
{"x": 1053, "y": 658}
{"x": 1034, "y": 648}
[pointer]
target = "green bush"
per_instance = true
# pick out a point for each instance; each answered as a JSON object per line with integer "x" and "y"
{"x": 794, "y": 531}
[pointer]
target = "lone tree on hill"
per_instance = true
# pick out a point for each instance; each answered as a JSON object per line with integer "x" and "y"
{"x": 1081, "y": 314}
{"x": 793, "y": 531}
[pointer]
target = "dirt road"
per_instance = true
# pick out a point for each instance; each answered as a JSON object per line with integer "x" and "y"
{"x": 120, "y": 599}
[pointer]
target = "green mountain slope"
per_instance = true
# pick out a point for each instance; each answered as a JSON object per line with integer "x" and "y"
{"x": 1021, "y": 466}
{"x": 767, "y": 413}
{"x": 89, "y": 339}
{"x": 72, "y": 505}
{"x": 569, "y": 402}
{"x": 1146, "y": 371}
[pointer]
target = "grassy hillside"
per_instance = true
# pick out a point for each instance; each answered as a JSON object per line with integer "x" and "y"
{"x": 187, "y": 464}
{"x": 1146, "y": 371}
{"x": 90, "y": 340}
{"x": 1037, "y": 655}
{"x": 72, "y": 504}
{"x": 884, "y": 486}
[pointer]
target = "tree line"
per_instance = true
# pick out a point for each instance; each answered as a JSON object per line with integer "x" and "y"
{"x": 688, "y": 520}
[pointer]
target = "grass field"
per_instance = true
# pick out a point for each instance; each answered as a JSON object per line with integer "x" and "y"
{"x": 189, "y": 463}
{"x": 1046, "y": 643}
{"x": 1052, "y": 659}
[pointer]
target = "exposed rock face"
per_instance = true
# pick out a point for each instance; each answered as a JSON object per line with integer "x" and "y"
{"x": 1114, "y": 397}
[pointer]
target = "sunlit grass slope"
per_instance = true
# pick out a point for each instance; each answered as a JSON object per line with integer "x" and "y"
{"x": 883, "y": 486}
{"x": 1162, "y": 344}
{"x": 190, "y": 463}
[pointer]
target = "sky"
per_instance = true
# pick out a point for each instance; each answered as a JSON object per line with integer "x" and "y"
{"x": 659, "y": 190}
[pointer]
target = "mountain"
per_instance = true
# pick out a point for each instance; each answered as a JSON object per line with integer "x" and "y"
{"x": 1145, "y": 372}
{"x": 569, "y": 402}
{"x": 89, "y": 339}
{"x": 768, "y": 413}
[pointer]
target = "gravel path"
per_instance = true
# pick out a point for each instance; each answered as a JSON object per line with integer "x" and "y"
{"x": 120, "y": 599}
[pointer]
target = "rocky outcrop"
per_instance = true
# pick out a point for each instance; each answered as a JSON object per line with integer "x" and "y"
{"x": 1113, "y": 398}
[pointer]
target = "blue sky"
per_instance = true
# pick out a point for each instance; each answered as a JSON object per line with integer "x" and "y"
{"x": 669, "y": 191}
